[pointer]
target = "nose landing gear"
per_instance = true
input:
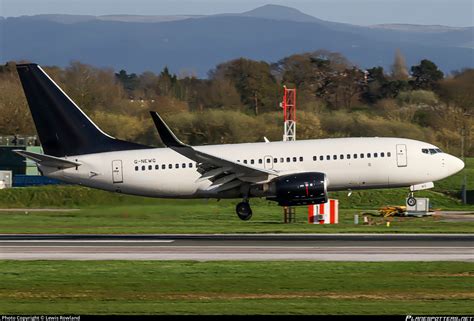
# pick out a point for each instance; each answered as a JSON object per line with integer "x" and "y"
{"x": 244, "y": 212}
{"x": 411, "y": 200}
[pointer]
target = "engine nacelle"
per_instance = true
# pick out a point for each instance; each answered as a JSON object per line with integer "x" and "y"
{"x": 299, "y": 189}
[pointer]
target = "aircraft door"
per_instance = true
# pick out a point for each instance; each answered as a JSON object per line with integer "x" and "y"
{"x": 402, "y": 155}
{"x": 117, "y": 174}
{"x": 268, "y": 162}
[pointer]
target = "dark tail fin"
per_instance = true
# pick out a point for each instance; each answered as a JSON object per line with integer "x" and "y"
{"x": 63, "y": 128}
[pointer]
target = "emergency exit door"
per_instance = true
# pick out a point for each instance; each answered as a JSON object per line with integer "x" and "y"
{"x": 402, "y": 155}
{"x": 268, "y": 162}
{"x": 117, "y": 175}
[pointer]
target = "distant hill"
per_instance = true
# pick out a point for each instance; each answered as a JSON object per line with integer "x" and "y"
{"x": 275, "y": 12}
{"x": 198, "y": 43}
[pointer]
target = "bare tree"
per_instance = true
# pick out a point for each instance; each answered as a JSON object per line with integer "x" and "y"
{"x": 399, "y": 67}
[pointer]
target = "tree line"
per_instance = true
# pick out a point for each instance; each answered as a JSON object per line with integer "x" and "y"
{"x": 240, "y": 99}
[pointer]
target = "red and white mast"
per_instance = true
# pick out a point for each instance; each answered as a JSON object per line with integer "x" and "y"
{"x": 289, "y": 114}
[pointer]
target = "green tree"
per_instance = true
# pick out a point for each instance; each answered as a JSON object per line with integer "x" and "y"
{"x": 309, "y": 71}
{"x": 129, "y": 82}
{"x": 426, "y": 75}
{"x": 342, "y": 89}
{"x": 376, "y": 79}
{"x": 392, "y": 88}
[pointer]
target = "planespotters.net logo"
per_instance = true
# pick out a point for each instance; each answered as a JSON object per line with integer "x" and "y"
{"x": 439, "y": 318}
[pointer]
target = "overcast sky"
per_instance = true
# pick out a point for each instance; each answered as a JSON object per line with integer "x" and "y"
{"x": 363, "y": 12}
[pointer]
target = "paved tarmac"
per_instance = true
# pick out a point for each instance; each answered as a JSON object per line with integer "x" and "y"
{"x": 254, "y": 247}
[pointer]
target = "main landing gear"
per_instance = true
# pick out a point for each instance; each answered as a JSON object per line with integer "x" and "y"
{"x": 244, "y": 212}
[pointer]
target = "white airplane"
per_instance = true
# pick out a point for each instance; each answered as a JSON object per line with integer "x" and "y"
{"x": 289, "y": 173}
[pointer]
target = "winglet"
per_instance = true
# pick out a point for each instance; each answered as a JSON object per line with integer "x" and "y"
{"x": 167, "y": 136}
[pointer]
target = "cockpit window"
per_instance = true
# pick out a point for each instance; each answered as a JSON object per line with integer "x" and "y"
{"x": 431, "y": 151}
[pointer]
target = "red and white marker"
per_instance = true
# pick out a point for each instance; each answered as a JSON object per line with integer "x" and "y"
{"x": 327, "y": 213}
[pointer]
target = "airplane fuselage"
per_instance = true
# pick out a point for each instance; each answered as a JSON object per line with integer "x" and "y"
{"x": 349, "y": 163}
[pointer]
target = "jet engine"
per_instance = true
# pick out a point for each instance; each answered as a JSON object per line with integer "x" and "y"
{"x": 299, "y": 189}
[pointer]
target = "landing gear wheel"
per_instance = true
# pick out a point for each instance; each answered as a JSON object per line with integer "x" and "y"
{"x": 244, "y": 212}
{"x": 411, "y": 201}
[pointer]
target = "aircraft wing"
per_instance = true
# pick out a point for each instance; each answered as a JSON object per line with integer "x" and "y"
{"x": 224, "y": 174}
{"x": 47, "y": 160}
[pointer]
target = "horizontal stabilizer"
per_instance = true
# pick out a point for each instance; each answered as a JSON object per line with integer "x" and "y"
{"x": 46, "y": 160}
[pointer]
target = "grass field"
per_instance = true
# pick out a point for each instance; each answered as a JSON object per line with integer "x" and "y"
{"x": 114, "y": 213}
{"x": 172, "y": 287}
{"x": 104, "y": 212}
{"x": 192, "y": 217}
{"x": 153, "y": 287}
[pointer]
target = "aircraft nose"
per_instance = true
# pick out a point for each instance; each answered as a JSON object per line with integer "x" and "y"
{"x": 456, "y": 164}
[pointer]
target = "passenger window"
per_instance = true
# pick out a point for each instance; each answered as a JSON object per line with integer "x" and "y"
{"x": 170, "y": 166}
{"x": 315, "y": 158}
{"x": 294, "y": 159}
{"x": 282, "y": 160}
{"x": 301, "y": 158}
{"x": 176, "y": 165}
{"x": 157, "y": 166}
{"x": 328, "y": 157}
{"x": 376, "y": 155}
{"x": 389, "y": 154}
{"x": 136, "y": 168}
{"x": 252, "y": 161}
{"x": 382, "y": 154}
{"x": 150, "y": 167}
{"x": 361, "y": 155}
{"x": 238, "y": 161}
{"x": 334, "y": 156}
{"x": 288, "y": 159}
{"x": 190, "y": 165}
{"x": 268, "y": 160}
{"x": 143, "y": 167}
{"x": 368, "y": 155}
{"x": 183, "y": 165}
{"x": 245, "y": 161}
{"x": 321, "y": 157}
{"x": 355, "y": 156}
{"x": 261, "y": 162}
{"x": 341, "y": 156}
{"x": 348, "y": 156}
{"x": 275, "y": 160}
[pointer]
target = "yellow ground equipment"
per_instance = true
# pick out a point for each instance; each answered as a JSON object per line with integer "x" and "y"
{"x": 388, "y": 211}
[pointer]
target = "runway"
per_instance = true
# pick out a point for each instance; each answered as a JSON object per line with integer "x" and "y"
{"x": 254, "y": 247}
